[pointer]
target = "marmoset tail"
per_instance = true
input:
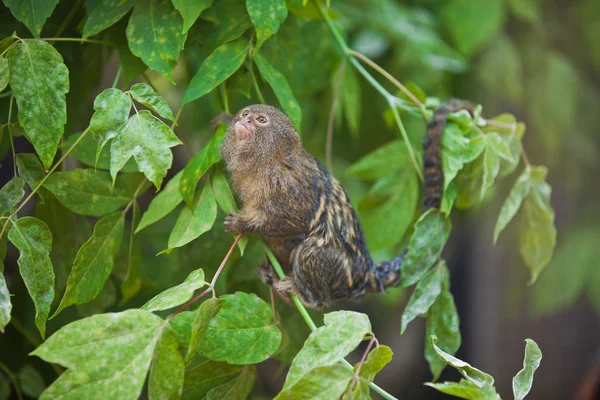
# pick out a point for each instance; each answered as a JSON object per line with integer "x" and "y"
{"x": 304, "y": 214}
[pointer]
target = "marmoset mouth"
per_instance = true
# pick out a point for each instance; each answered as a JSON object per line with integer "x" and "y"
{"x": 242, "y": 130}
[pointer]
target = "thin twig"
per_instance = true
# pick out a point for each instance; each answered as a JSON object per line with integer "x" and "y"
{"x": 211, "y": 286}
{"x": 330, "y": 123}
{"x": 362, "y": 361}
{"x": 389, "y": 77}
{"x": 117, "y": 77}
{"x": 12, "y": 143}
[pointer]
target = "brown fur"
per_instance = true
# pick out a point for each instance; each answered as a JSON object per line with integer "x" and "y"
{"x": 304, "y": 214}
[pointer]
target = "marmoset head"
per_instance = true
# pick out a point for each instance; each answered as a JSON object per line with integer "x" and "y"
{"x": 259, "y": 133}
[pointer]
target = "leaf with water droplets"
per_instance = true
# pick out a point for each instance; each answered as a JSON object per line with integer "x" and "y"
{"x": 94, "y": 262}
{"x": 155, "y": 34}
{"x": 39, "y": 81}
{"x": 33, "y": 239}
{"x": 107, "y": 355}
{"x": 148, "y": 140}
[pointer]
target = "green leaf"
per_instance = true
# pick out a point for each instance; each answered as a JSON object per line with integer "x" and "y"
{"x": 165, "y": 380}
{"x": 425, "y": 294}
{"x": 148, "y": 140}
{"x": 243, "y": 332}
{"x": 132, "y": 283}
{"x": 425, "y": 246}
{"x": 442, "y": 322}
{"x": 161, "y": 205}
{"x": 538, "y": 233}
{"x": 341, "y": 333}
{"x": 39, "y": 80}
{"x": 30, "y": 169}
{"x": 200, "y": 163}
{"x": 107, "y": 355}
{"x": 382, "y": 162}
{"x": 155, "y": 34}
{"x": 500, "y": 68}
{"x": 457, "y": 151}
{"x": 207, "y": 376}
{"x": 322, "y": 383}
{"x": 513, "y": 202}
{"x": 206, "y": 312}
{"x": 89, "y": 192}
{"x": 193, "y": 222}
{"x": 86, "y": 151}
{"x": 388, "y": 209}
{"x": 112, "y": 108}
{"x": 236, "y": 389}
{"x": 33, "y": 13}
{"x": 4, "y": 74}
{"x": 31, "y": 381}
{"x": 11, "y": 194}
{"x": 132, "y": 66}
{"x": 217, "y": 67}
{"x": 190, "y": 10}
{"x": 145, "y": 95}
{"x": 5, "y": 304}
{"x": 231, "y": 20}
{"x": 94, "y": 262}
{"x": 524, "y": 379}
{"x": 34, "y": 241}
{"x": 466, "y": 390}
{"x": 376, "y": 360}
{"x": 176, "y": 295}
{"x": 266, "y": 15}
{"x": 472, "y": 374}
{"x": 105, "y": 14}
{"x": 281, "y": 88}
{"x": 464, "y": 17}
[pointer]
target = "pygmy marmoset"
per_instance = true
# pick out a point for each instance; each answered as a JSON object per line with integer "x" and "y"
{"x": 304, "y": 214}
